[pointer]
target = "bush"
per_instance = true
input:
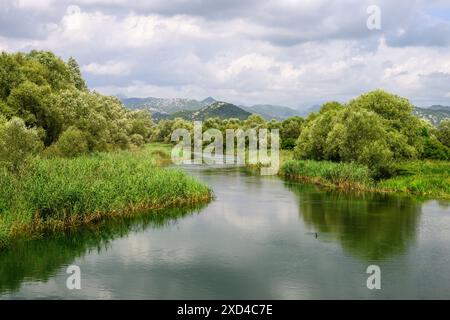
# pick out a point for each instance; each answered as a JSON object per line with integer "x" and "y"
{"x": 137, "y": 140}
{"x": 72, "y": 143}
{"x": 17, "y": 143}
{"x": 444, "y": 132}
{"x": 434, "y": 149}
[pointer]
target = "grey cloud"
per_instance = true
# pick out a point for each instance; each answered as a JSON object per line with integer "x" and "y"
{"x": 20, "y": 23}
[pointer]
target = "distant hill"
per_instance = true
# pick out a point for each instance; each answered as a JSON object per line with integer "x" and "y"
{"x": 222, "y": 110}
{"x": 439, "y": 108}
{"x": 270, "y": 112}
{"x": 164, "y": 106}
{"x": 434, "y": 114}
{"x": 208, "y": 101}
{"x": 192, "y": 109}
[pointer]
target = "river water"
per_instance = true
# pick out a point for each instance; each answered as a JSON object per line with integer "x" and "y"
{"x": 261, "y": 238}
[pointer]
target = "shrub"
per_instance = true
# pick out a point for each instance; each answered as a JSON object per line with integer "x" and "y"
{"x": 444, "y": 132}
{"x": 17, "y": 143}
{"x": 434, "y": 149}
{"x": 137, "y": 140}
{"x": 72, "y": 143}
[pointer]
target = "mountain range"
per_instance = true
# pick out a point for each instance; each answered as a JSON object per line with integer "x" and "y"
{"x": 165, "y": 106}
{"x": 435, "y": 114}
{"x": 192, "y": 109}
{"x": 218, "y": 109}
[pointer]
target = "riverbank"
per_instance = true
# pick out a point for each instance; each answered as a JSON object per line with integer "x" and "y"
{"x": 59, "y": 193}
{"x": 430, "y": 179}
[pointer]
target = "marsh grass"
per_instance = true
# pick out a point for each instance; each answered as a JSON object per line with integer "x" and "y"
{"x": 430, "y": 179}
{"x": 343, "y": 175}
{"x": 58, "y": 193}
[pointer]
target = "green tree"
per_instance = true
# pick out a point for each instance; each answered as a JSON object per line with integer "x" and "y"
{"x": 75, "y": 74}
{"x": 30, "y": 102}
{"x": 444, "y": 132}
{"x": 141, "y": 123}
{"x": 72, "y": 142}
{"x": 290, "y": 131}
{"x": 17, "y": 143}
{"x": 374, "y": 129}
{"x": 10, "y": 73}
{"x": 311, "y": 143}
{"x": 58, "y": 75}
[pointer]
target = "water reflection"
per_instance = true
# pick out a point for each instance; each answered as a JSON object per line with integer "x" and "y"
{"x": 41, "y": 259}
{"x": 367, "y": 225}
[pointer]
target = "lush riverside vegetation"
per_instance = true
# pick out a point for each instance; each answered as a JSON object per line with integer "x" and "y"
{"x": 428, "y": 178}
{"x": 424, "y": 178}
{"x": 69, "y": 156}
{"x": 374, "y": 142}
{"x": 58, "y": 193}
{"x": 345, "y": 175}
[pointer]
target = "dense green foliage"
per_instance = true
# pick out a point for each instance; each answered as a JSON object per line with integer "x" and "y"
{"x": 444, "y": 133}
{"x": 51, "y": 97}
{"x": 17, "y": 143}
{"x": 59, "y": 191}
{"x": 55, "y": 135}
{"x": 376, "y": 129}
{"x": 289, "y": 129}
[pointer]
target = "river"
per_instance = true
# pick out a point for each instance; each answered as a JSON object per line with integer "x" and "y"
{"x": 261, "y": 238}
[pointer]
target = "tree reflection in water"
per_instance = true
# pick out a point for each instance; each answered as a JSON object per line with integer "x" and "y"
{"x": 367, "y": 225}
{"x": 39, "y": 260}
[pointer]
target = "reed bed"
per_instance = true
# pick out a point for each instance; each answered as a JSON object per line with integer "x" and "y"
{"x": 344, "y": 175}
{"x": 429, "y": 179}
{"x": 55, "y": 193}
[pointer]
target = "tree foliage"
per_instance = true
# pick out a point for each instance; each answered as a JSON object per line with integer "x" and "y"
{"x": 444, "y": 133}
{"x": 17, "y": 143}
{"x": 50, "y": 96}
{"x": 375, "y": 129}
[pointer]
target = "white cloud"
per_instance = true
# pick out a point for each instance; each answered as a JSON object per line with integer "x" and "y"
{"x": 281, "y": 52}
{"x": 34, "y": 4}
{"x": 110, "y": 68}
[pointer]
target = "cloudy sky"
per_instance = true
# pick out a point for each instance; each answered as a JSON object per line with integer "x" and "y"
{"x": 285, "y": 52}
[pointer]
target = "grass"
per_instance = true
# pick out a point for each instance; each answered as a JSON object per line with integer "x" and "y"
{"x": 58, "y": 193}
{"x": 427, "y": 178}
{"x": 343, "y": 175}
{"x": 430, "y": 179}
